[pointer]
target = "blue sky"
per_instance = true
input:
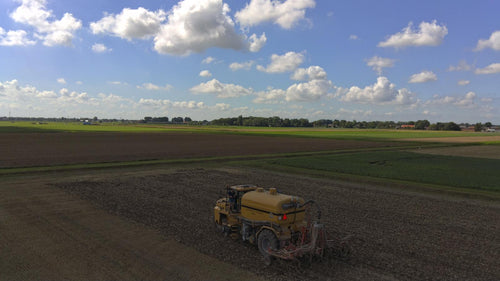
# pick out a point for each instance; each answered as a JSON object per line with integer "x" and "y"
{"x": 363, "y": 60}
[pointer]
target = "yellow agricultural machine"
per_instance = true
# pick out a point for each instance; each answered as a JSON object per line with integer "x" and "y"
{"x": 281, "y": 225}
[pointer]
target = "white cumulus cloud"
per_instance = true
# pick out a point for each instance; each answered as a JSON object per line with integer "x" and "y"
{"x": 100, "y": 48}
{"x": 316, "y": 87}
{"x": 221, "y": 90}
{"x": 153, "y": 87}
{"x": 377, "y": 63}
{"x": 310, "y": 73}
{"x": 15, "y": 38}
{"x": 284, "y": 63}
{"x": 61, "y": 81}
{"x": 463, "y": 82}
{"x": 490, "y": 69}
{"x": 284, "y": 13}
{"x": 428, "y": 34}
{"x": 308, "y": 91}
{"x": 53, "y": 32}
{"x": 422, "y": 77}
{"x": 130, "y": 23}
{"x": 208, "y": 60}
{"x": 468, "y": 100}
{"x": 241, "y": 65}
{"x": 256, "y": 43}
{"x": 194, "y": 26}
{"x": 493, "y": 42}
{"x": 271, "y": 96}
{"x": 382, "y": 92}
{"x": 171, "y": 104}
{"x": 462, "y": 66}
{"x": 25, "y": 100}
{"x": 205, "y": 73}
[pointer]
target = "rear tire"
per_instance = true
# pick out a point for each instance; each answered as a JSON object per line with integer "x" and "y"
{"x": 267, "y": 241}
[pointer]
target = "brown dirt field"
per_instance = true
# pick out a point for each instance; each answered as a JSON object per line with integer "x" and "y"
{"x": 48, "y": 234}
{"x": 47, "y": 149}
{"x": 397, "y": 234}
{"x": 479, "y": 151}
{"x": 457, "y": 139}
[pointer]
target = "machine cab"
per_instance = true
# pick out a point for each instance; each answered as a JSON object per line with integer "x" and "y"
{"x": 234, "y": 194}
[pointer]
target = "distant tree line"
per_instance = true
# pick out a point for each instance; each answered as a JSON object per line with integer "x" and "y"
{"x": 478, "y": 127}
{"x": 280, "y": 122}
{"x": 275, "y": 121}
{"x": 176, "y": 120}
{"x": 418, "y": 125}
{"x": 252, "y": 121}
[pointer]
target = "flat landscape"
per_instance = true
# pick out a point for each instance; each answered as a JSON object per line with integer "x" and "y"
{"x": 49, "y": 149}
{"x": 153, "y": 221}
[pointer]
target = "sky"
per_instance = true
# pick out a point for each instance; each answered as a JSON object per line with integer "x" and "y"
{"x": 354, "y": 60}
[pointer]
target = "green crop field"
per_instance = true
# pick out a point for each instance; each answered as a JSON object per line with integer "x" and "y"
{"x": 452, "y": 171}
{"x": 35, "y": 127}
{"x": 353, "y": 134}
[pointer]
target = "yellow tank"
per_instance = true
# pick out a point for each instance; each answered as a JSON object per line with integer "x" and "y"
{"x": 271, "y": 206}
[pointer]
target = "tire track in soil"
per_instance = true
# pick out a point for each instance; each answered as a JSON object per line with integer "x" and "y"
{"x": 396, "y": 235}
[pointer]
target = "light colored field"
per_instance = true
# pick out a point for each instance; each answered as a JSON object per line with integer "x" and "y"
{"x": 480, "y": 151}
{"x": 464, "y": 139}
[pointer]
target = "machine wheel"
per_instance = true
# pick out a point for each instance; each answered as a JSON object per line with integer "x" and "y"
{"x": 222, "y": 228}
{"x": 267, "y": 240}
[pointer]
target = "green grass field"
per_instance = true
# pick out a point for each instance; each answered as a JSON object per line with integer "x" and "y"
{"x": 453, "y": 171}
{"x": 353, "y": 134}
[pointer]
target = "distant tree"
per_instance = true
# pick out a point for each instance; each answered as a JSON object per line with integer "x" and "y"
{"x": 336, "y": 123}
{"x": 240, "y": 120}
{"x": 160, "y": 119}
{"x": 187, "y": 119}
{"x": 422, "y": 124}
{"x": 322, "y": 123}
{"x": 451, "y": 126}
{"x": 274, "y": 121}
{"x": 487, "y": 125}
{"x": 148, "y": 119}
{"x": 177, "y": 120}
{"x": 286, "y": 123}
{"x": 478, "y": 127}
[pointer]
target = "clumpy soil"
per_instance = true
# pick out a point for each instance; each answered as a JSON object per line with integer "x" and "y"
{"x": 396, "y": 235}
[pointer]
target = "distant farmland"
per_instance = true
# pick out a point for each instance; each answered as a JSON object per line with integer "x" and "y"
{"x": 118, "y": 201}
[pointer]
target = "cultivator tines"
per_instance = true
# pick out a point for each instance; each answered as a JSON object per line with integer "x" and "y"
{"x": 312, "y": 242}
{"x": 340, "y": 248}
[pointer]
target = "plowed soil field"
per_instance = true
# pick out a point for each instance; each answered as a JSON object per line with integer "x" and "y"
{"x": 155, "y": 222}
{"x": 48, "y": 149}
{"x": 396, "y": 235}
